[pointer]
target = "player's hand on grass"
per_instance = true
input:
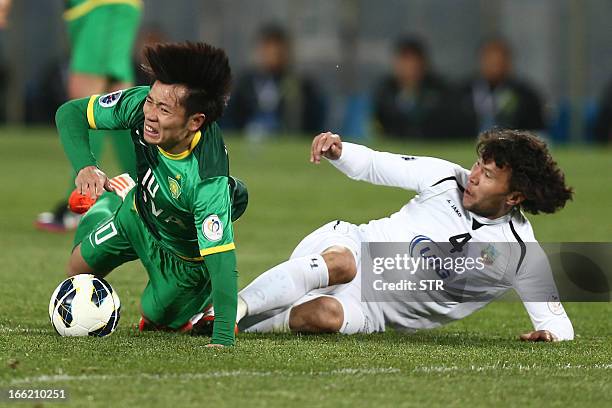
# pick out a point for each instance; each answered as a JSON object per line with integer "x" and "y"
{"x": 325, "y": 144}
{"x": 92, "y": 181}
{"x": 540, "y": 335}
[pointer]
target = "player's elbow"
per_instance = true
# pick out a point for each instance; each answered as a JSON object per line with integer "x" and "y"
{"x": 63, "y": 112}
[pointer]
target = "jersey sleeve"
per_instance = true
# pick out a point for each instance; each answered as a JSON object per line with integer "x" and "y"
{"x": 212, "y": 216}
{"x": 221, "y": 267}
{"x": 117, "y": 110}
{"x": 536, "y": 287}
{"x": 395, "y": 170}
{"x": 71, "y": 122}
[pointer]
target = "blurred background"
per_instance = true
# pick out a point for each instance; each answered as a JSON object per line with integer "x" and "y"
{"x": 403, "y": 69}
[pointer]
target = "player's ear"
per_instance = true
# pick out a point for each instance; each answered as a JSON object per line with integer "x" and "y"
{"x": 515, "y": 198}
{"x": 196, "y": 121}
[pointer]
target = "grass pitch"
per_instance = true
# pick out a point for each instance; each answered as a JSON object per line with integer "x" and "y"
{"x": 476, "y": 362}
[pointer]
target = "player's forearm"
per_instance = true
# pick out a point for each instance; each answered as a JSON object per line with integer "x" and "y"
{"x": 550, "y": 316}
{"x": 224, "y": 280}
{"x": 381, "y": 168}
{"x": 73, "y": 128}
{"x": 355, "y": 161}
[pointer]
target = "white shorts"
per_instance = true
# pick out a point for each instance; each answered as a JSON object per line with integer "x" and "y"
{"x": 341, "y": 233}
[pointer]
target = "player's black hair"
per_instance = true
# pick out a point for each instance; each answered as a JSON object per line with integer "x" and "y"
{"x": 411, "y": 45}
{"x": 533, "y": 170}
{"x": 200, "y": 67}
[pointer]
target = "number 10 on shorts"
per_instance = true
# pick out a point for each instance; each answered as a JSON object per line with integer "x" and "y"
{"x": 104, "y": 233}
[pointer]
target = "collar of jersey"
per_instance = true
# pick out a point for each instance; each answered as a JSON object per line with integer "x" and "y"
{"x": 182, "y": 155}
{"x": 488, "y": 221}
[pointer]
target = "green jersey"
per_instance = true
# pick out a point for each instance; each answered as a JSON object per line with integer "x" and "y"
{"x": 183, "y": 199}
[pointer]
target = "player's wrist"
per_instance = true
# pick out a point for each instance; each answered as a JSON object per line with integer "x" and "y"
{"x": 223, "y": 340}
{"x": 84, "y": 166}
{"x": 222, "y": 343}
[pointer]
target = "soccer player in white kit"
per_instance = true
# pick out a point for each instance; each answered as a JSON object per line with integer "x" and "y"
{"x": 319, "y": 288}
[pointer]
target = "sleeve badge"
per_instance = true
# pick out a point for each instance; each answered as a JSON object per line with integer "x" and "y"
{"x": 212, "y": 228}
{"x": 111, "y": 99}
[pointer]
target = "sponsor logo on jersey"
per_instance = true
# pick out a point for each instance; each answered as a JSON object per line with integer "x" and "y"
{"x": 424, "y": 247}
{"x": 409, "y": 158}
{"x": 454, "y": 207}
{"x": 489, "y": 254}
{"x": 175, "y": 187}
{"x": 554, "y": 305}
{"x": 212, "y": 228}
{"x": 111, "y": 99}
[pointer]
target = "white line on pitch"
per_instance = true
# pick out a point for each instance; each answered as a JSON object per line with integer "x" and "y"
{"x": 196, "y": 376}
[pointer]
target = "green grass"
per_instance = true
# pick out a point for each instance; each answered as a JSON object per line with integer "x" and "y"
{"x": 477, "y": 361}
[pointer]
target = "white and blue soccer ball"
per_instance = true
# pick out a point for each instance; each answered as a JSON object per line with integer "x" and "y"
{"x": 84, "y": 305}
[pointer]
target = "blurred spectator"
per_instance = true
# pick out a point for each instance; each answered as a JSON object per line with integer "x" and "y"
{"x": 4, "y": 80}
{"x": 271, "y": 97}
{"x": 603, "y": 123}
{"x": 5, "y": 8}
{"x": 149, "y": 34}
{"x": 102, "y": 36}
{"x": 412, "y": 101}
{"x": 495, "y": 97}
{"x": 48, "y": 91}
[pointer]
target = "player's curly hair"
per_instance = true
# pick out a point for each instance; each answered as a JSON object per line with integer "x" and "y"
{"x": 533, "y": 170}
{"x": 202, "y": 68}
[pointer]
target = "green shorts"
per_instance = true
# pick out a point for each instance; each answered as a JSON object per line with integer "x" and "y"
{"x": 112, "y": 233}
{"x": 102, "y": 42}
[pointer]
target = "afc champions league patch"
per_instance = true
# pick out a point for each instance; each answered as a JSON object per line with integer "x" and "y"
{"x": 212, "y": 228}
{"x": 111, "y": 99}
{"x": 554, "y": 305}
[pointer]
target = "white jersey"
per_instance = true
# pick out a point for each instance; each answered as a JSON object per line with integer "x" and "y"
{"x": 436, "y": 214}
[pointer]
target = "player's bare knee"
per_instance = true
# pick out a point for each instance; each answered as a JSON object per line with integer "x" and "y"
{"x": 76, "y": 263}
{"x": 340, "y": 263}
{"x": 330, "y": 315}
{"x": 321, "y": 315}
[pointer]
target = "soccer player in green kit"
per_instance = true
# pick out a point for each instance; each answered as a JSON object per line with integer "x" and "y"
{"x": 102, "y": 34}
{"x": 177, "y": 220}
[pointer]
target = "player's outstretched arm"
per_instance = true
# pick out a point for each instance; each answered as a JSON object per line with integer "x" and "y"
{"x": 73, "y": 128}
{"x": 536, "y": 287}
{"x": 380, "y": 168}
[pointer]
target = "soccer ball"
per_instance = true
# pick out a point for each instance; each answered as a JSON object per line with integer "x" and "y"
{"x": 84, "y": 305}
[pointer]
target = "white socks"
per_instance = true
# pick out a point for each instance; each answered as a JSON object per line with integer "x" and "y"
{"x": 283, "y": 285}
{"x": 279, "y": 323}
{"x": 241, "y": 310}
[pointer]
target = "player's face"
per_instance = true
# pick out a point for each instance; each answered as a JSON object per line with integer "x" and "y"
{"x": 166, "y": 122}
{"x": 488, "y": 190}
